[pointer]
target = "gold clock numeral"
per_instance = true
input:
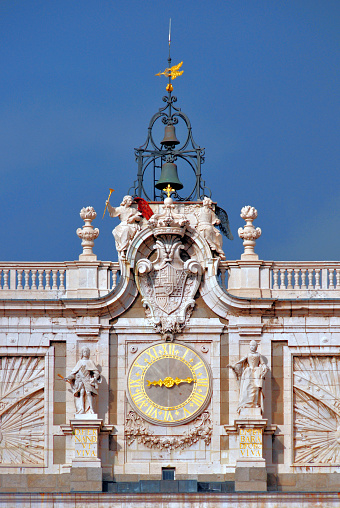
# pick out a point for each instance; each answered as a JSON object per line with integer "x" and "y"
{"x": 151, "y": 411}
{"x": 197, "y": 399}
{"x": 170, "y": 350}
{"x": 151, "y": 356}
{"x": 168, "y": 416}
{"x": 186, "y": 412}
{"x": 202, "y": 382}
{"x": 139, "y": 398}
{"x": 198, "y": 365}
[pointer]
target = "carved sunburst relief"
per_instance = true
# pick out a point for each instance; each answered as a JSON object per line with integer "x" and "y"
{"x": 317, "y": 410}
{"x": 21, "y": 410}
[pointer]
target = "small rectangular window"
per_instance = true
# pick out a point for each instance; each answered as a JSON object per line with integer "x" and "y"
{"x": 168, "y": 473}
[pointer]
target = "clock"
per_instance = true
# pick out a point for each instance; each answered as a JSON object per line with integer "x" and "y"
{"x": 169, "y": 384}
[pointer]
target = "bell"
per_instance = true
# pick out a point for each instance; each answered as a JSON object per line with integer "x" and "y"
{"x": 169, "y": 136}
{"x": 169, "y": 176}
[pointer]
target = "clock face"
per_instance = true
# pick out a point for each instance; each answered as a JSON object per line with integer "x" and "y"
{"x": 169, "y": 384}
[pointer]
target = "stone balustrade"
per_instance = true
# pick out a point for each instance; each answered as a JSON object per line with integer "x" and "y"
{"x": 49, "y": 280}
{"x": 281, "y": 279}
{"x": 302, "y": 275}
{"x": 269, "y": 279}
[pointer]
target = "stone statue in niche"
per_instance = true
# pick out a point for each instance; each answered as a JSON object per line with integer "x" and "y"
{"x": 128, "y": 227}
{"x": 250, "y": 372}
{"x": 84, "y": 380}
{"x": 206, "y": 221}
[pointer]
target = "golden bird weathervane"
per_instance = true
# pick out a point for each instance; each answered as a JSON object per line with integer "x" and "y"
{"x": 171, "y": 72}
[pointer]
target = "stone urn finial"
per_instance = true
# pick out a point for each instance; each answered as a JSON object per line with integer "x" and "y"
{"x": 249, "y": 233}
{"x": 88, "y": 234}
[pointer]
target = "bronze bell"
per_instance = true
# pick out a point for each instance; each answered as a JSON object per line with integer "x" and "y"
{"x": 169, "y": 176}
{"x": 169, "y": 136}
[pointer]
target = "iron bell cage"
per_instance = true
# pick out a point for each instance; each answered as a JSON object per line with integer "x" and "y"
{"x": 153, "y": 157}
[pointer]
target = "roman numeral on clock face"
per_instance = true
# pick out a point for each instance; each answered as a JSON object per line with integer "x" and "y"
{"x": 197, "y": 399}
{"x": 151, "y": 411}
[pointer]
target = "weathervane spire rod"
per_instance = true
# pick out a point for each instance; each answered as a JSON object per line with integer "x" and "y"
{"x": 169, "y": 39}
{"x": 171, "y": 72}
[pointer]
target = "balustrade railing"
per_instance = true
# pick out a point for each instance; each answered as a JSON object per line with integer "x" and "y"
{"x": 292, "y": 279}
{"x": 41, "y": 280}
{"x": 33, "y": 277}
{"x": 301, "y": 276}
{"x": 281, "y": 279}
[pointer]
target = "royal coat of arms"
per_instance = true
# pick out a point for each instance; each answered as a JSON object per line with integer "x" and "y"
{"x": 168, "y": 285}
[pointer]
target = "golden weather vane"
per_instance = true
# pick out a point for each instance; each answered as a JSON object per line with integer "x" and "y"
{"x": 171, "y": 72}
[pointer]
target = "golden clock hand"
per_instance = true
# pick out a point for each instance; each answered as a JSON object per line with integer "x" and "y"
{"x": 160, "y": 383}
{"x": 169, "y": 382}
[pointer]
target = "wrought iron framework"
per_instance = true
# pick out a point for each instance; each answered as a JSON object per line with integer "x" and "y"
{"x": 151, "y": 156}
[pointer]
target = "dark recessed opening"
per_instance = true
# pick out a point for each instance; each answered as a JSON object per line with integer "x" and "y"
{"x": 168, "y": 473}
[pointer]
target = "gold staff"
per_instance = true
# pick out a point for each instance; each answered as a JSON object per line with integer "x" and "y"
{"x": 62, "y": 377}
{"x": 108, "y": 199}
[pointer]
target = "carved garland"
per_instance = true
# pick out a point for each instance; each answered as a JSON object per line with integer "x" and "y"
{"x": 135, "y": 429}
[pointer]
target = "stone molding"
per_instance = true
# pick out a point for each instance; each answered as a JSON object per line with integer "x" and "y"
{"x": 250, "y": 423}
{"x": 86, "y": 423}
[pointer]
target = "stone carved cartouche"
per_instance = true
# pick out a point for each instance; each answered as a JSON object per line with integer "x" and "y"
{"x": 168, "y": 284}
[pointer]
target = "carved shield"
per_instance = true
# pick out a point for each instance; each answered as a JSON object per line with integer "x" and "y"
{"x": 168, "y": 284}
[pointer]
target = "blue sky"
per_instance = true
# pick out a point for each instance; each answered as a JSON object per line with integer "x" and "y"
{"x": 260, "y": 85}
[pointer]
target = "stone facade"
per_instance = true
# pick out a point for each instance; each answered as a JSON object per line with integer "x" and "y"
{"x": 174, "y": 296}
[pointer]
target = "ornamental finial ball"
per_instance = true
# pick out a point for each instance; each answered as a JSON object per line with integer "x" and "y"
{"x": 168, "y": 201}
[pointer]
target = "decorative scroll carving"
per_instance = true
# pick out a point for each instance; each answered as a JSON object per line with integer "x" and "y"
{"x": 135, "y": 429}
{"x": 317, "y": 410}
{"x": 21, "y": 410}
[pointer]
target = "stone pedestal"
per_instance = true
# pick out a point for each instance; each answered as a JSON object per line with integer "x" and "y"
{"x": 86, "y": 429}
{"x": 86, "y": 472}
{"x": 250, "y": 471}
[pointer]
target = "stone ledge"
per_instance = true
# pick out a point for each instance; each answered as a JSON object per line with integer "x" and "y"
{"x": 177, "y": 500}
